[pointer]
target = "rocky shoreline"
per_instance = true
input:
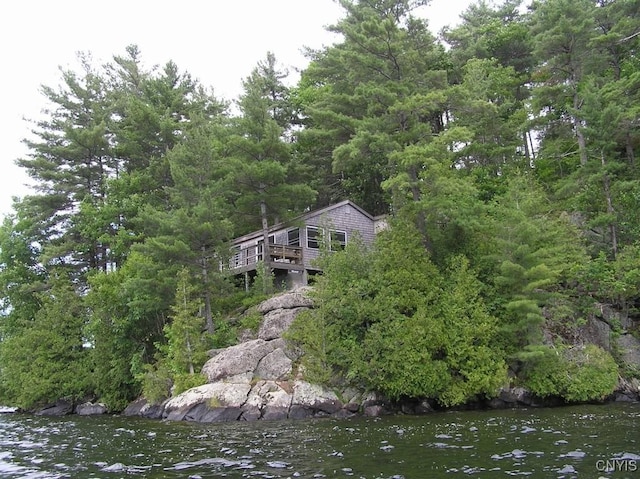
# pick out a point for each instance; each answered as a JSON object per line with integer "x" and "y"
{"x": 257, "y": 379}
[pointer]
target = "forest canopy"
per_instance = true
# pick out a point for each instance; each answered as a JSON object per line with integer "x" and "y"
{"x": 502, "y": 150}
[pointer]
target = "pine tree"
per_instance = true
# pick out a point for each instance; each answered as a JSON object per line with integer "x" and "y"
{"x": 185, "y": 350}
{"x": 260, "y": 159}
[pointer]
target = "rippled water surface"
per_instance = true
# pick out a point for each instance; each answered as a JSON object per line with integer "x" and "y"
{"x": 573, "y": 442}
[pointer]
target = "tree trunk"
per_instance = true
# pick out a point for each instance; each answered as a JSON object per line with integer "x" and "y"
{"x": 577, "y": 124}
{"x": 208, "y": 314}
{"x": 190, "y": 355}
{"x": 421, "y": 220}
{"x": 266, "y": 257}
{"x": 610, "y": 210}
{"x": 630, "y": 152}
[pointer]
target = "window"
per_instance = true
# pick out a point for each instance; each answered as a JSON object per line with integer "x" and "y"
{"x": 236, "y": 257}
{"x": 293, "y": 237}
{"x": 314, "y": 236}
{"x": 338, "y": 240}
{"x": 260, "y": 247}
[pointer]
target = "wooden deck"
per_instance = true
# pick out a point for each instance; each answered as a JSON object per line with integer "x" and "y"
{"x": 280, "y": 257}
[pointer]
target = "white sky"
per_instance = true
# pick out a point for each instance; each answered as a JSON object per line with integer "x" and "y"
{"x": 218, "y": 42}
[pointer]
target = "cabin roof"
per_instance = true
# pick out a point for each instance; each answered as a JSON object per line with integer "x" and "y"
{"x": 302, "y": 218}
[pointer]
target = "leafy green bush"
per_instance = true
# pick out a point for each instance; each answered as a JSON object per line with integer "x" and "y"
{"x": 390, "y": 321}
{"x": 577, "y": 374}
{"x": 183, "y": 382}
{"x": 592, "y": 374}
{"x": 311, "y": 333}
{"x": 251, "y": 320}
{"x": 156, "y": 382}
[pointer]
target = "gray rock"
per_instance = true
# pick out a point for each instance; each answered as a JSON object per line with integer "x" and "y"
{"x": 373, "y": 398}
{"x": 250, "y": 413}
{"x": 344, "y": 413}
{"x": 629, "y": 349}
{"x": 275, "y": 365}
{"x": 277, "y": 321}
{"x": 596, "y": 331}
{"x": 239, "y": 359}
{"x": 628, "y": 390}
{"x": 152, "y": 411}
{"x": 213, "y": 395}
{"x": 424, "y": 407}
{"x": 300, "y": 412}
{"x": 515, "y": 395}
{"x": 314, "y": 396}
{"x": 289, "y": 300}
{"x": 91, "y": 409}
{"x": 267, "y": 400}
{"x": 274, "y": 413}
{"x": 203, "y": 413}
{"x": 134, "y": 408}
{"x": 61, "y": 407}
{"x": 374, "y": 411}
{"x": 613, "y": 317}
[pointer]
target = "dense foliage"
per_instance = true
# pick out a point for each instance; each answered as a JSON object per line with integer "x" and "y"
{"x": 503, "y": 151}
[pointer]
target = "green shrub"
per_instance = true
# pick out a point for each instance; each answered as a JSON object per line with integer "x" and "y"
{"x": 156, "y": 382}
{"x": 251, "y": 320}
{"x": 592, "y": 374}
{"x": 309, "y": 332}
{"x": 183, "y": 382}
{"x": 577, "y": 374}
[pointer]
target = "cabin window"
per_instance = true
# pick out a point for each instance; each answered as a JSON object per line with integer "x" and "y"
{"x": 338, "y": 240}
{"x": 236, "y": 257}
{"x": 293, "y": 237}
{"x": 314, "y": 236}
{"x": 260, "y": 247}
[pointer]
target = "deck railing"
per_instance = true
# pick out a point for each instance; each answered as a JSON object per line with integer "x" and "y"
{"x": 278, "y": 253}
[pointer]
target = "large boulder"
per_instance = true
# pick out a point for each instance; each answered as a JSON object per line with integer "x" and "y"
{"x": 596, "y": 331}
{"x": 277, "y": 401}
{"x": 629, "y": 349}
{"x": 255, "y": 379}
{"x": 315, "y": 397}
{"x": 195, "y": 403}
{"x": 289, "y": 300}
{"x": 275, "y": 365}
{"x": 143, "y": 408}
{"x": 277, "y": 321}
{"x": 61, "y": 407}
{"x": 90, "y": 409}
{"x": 239, "y": 359}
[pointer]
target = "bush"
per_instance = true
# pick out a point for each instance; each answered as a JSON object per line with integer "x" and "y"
{"x": 156, "y": 382}
{"x": 388, "y": 320}
{"x": 183, "y": 382}
{"x": 577, "y": 374}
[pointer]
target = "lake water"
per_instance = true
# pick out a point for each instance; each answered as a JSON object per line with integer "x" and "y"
{"x": 571, "y": 442}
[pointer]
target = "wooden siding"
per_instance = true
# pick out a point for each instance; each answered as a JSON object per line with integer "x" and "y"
{"x": 344, "y": 217}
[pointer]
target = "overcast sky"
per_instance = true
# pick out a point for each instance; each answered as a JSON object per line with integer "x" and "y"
{"x": 218, "y": 42}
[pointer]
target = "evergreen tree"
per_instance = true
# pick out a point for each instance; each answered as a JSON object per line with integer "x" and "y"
{"x": 70, "y": 162}
{"x": 377, "y": 92}
{"x": 193, "y": 232}
{"x": 260, "y": 158}
{"x": 537, "y": 251}
{"x": 186, "y": 348}
{"x": 46, "y": 360}
{"x": 384, "y": 320}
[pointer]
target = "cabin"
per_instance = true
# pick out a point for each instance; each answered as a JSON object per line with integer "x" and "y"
{"x": 294, "y": 245}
